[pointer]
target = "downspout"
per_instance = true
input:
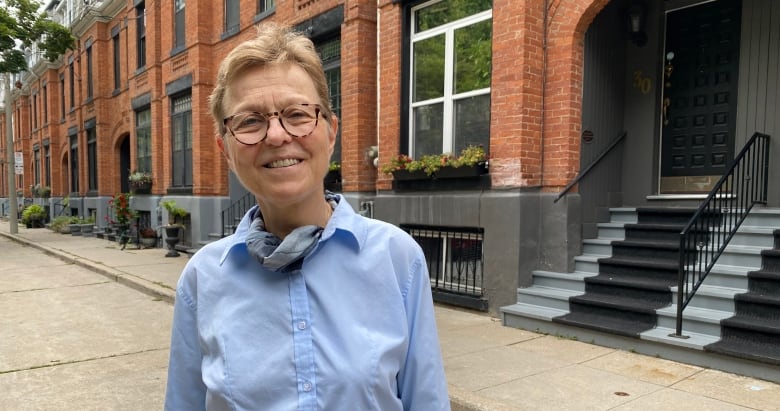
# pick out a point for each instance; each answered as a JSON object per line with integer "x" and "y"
{"x": 544, "y": 87}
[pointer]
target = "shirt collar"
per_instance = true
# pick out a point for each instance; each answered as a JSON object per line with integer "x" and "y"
{"x": 344, "y": 221}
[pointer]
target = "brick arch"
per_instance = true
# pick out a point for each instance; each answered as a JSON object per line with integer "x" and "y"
{"x": 567, "y": 22}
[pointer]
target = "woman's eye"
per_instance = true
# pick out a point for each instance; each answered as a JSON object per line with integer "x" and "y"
{"x": 250, "y": 122}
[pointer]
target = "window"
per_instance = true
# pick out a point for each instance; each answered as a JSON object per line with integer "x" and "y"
{"x": 453, "y": 256}
{"x": 72, "y": 76}
{"x": 62, "y": 97}
{"x": 74, "y": 163}
{"x": 265, "y": 6}
{"x": 231, "y": 16}
{"x": 330, "y": 53}
{"x": 92, "y": 168}
{"x": 450, "y": 76}
{"x": 178, "y": 24}
{"x": 181, "y": 135}
{"x": 143, "y": 138}
{"x": 36, "y": 165}
{"x": 45, "y": 104}
{"x": 35, "y": 111}
{"x": 140, "y": 29}
{"x": 90, "y": 88}
{"x": 47, "y": 163}
{"x": 117, "y": 62}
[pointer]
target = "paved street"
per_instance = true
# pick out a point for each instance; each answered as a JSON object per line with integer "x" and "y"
{"x": 71, "y": 339}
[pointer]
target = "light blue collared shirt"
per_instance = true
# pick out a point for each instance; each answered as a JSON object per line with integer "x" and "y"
{"x": 354, "y": 329}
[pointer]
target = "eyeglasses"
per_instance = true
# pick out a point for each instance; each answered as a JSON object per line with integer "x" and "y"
{"x": 250, "y": 127}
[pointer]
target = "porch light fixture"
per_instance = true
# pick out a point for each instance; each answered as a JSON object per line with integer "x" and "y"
{"x": 635, "y": 16}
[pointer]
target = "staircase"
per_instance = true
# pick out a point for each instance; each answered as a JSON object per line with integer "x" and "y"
{"x": 623, "y": 293}
{"x": 636, "y": 280}
{"x": 754, "y": 331}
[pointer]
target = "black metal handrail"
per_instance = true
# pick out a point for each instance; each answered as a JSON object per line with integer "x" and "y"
{"x": 234, "y": 212}
{"x": 590, "y": 166}
{"x": 717, "y": 219}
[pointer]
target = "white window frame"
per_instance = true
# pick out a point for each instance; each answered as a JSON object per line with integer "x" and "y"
{"x": 449, "y": 97}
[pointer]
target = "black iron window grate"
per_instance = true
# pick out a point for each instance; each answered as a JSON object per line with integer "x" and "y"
{"x": 455, "y": 263}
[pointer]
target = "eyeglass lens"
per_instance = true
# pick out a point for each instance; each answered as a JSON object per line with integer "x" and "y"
{"x": 298, "y": 120}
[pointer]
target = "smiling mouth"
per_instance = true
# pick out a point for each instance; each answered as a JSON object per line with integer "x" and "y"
{"x": 283, "y": 163}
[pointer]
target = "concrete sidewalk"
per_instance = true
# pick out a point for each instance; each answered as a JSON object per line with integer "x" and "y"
{"x": 488, "y": 366}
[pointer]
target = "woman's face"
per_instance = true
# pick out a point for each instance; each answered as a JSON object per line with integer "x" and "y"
{"x": 281, "y": 170}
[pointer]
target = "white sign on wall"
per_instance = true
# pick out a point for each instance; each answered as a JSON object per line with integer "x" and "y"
{"x": 18, "y": 163}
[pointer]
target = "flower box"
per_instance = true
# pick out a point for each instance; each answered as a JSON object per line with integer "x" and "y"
{"x": 405, "y": 175}
{"x": 444, "y": 172}
{"x": 462, "y": 172}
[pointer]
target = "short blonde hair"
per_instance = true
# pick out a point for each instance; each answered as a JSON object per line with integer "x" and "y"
{"x": 274, "y": 43}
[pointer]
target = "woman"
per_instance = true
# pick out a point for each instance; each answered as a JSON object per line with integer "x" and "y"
{"x": 308, "y": 306}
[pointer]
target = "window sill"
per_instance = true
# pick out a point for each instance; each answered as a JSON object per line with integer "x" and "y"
{"x": 264, "y": 15}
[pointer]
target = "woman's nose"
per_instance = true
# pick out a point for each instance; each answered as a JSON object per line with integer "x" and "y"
{"x": 276, "y": 134}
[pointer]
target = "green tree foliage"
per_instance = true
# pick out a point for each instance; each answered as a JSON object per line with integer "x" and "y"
{"x": 21, "y": 26}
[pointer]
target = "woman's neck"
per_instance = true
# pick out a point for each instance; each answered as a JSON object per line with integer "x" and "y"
{"x": 282, "y": 220}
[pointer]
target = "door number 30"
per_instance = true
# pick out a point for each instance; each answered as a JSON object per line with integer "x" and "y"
{"x": 641, "y": 82}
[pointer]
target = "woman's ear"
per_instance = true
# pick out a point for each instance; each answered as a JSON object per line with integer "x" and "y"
{"x": 221, "y": 145}
{"x": 333, "y": 127}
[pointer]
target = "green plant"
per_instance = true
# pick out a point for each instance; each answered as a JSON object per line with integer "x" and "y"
{"x": 57, "y": 223}
{"x": 399, "y": 162}
{"x": 334, "y": 166}
{"x": 44, "y": 191}
{"x": 33, "y": 212}
{"x": 470, "y": 156}
{"x": 431, "y": 163}
{"x": 176, "y": 214}
{"x": 139, "y": 178}
{"x": 120, "y": 208}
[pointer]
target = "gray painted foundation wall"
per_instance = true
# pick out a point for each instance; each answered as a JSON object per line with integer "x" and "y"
{"x": 523, "y": 231}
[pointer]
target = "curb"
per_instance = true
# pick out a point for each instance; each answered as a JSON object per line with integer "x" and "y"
{"x": 132, "y": 281}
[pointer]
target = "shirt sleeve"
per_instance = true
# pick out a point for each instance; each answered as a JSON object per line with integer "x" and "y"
{"x": 421, "y": 382}
{"x": 185, "y": 390}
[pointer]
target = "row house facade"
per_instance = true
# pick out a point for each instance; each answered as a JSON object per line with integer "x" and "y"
{"x": 589, "y": 110}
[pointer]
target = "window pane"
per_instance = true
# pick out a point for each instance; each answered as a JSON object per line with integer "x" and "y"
{"x": 473, "y": 56}
{"x": 428, "y": 75}
{"x": 448, "y": 11}
{"x": 472, "y": 122}
{"x": 231, "y": 15}
{"x": 428, "y": 121}
{"x": 265, "y": 5}
{"x": 143, "y": 140}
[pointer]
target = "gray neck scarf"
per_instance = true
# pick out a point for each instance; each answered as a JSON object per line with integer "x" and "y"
{"x": 285, "y": 255}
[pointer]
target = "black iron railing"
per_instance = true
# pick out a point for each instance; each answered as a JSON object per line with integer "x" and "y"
{"x": 590, "y": 166}
{"x": 717, "y": 219}
{"x": 455, "y": 263}
{"x": 232, "y": 215}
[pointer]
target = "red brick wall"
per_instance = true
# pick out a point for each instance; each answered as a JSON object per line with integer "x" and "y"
{"x": 389, "y": 104}
{"x": 536, "y": 97}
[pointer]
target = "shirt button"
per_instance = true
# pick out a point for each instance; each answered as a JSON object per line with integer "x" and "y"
{"x": 302, "y": 325}
{"x": 307, "y": 386}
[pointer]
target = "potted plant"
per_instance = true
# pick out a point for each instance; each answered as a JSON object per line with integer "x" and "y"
{"x": 87, "y": 226}
{"x": 60, "y": 224}
{"x": 44, "y": 191}
{"x": 176, "y": 217}
{"x": 140, "y": 182}
{"x": 119, "y": 207}
{"x": 34, "y": 216}
{"x": 148, "y": 237}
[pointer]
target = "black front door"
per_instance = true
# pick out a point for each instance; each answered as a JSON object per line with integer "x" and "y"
{"x": 699, "y": 95}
